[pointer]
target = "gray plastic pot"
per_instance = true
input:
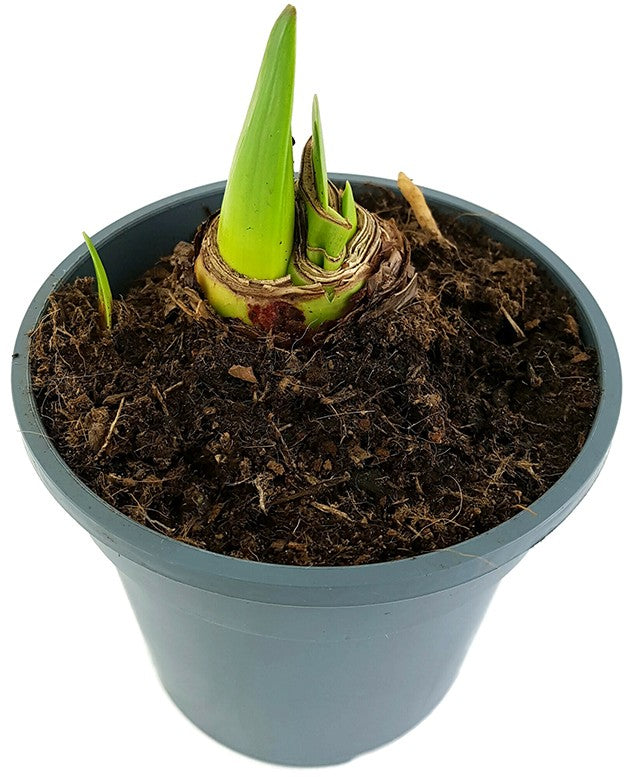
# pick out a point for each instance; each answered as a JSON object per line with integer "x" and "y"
{"x": 299, "y": 665}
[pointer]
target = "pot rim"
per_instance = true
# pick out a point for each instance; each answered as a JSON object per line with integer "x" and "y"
{"x": 424, "y": 574}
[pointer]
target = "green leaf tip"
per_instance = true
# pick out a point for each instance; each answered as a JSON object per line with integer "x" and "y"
{"x": 319, "y": 157}
{"x": 256, "y": 224}
{"x": 102, "y": 284}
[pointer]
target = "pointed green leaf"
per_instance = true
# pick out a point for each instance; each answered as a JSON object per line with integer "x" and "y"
{"x": 349, "y": 213}
{"x": 319, "y": 157}
{"x": 257, "y": 216}
{"x": 102, "y": 284}
{"x": 331, "y": 218}
{"x": 348, "y": 206}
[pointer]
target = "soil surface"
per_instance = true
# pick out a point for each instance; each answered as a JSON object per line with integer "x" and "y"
{"x": 385, "y": 437}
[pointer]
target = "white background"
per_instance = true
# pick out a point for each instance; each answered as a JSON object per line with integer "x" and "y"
{"x": 518, "y": 106}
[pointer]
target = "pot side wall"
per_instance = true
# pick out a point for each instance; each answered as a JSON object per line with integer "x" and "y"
{"x": 304, "y": 686}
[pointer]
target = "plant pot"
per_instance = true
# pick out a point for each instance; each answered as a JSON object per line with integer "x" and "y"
{"x": 305, "y": 665}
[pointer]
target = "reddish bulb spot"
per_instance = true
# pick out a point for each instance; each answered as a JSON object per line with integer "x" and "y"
{"x": 279, "y": 316}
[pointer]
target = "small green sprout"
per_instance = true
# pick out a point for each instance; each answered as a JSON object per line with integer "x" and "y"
{"x": 329, "y": 229}
{"x": 102, "y": 283}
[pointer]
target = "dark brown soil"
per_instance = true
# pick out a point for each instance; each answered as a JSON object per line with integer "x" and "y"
{"x": 391, "y": 436}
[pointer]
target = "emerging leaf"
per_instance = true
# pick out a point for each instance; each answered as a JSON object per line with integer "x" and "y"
{"x": 257, "y": 216}
{"x": 331, "y": 223}
{"x": 102, "y": 284}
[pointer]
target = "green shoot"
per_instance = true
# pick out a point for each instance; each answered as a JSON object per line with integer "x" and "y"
{"x": 319, "y": 156}
{"x": 255, "y": 235}
{"x": 349, "y": 212}
{"x": 330, "y": 223}
{"x": 102, "y": 283}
